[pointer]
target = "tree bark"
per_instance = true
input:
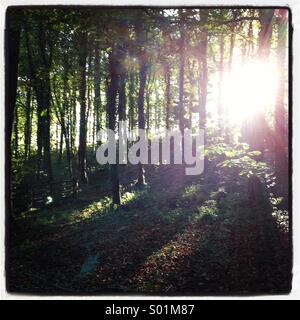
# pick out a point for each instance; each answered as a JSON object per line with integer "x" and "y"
{"x": 181, "y": 79}
{"x": 203, "y": 73}
{"x": 142, "y": 58}
{"x": 258, "y": 125}
{"x": 16, "y": 131}
{"x": 82, "y": 40}
{"x": 111, "y": 110}
{"x": 39, "y": 69}
{"x": 131, "y": 101}
{"x": 203, "y": 78}
{"x": 167, "y": 71}
{"x": 64, "y": 112}
{"x": 27, "y": 122}
{"x": 97, "y": 82}
{"x": 167, "y": 74}
{"x": 281, "y": 136}
{"x": 265, "y": 33}
{"x": 221, "y": 75}
{"x": 12, "y": 41}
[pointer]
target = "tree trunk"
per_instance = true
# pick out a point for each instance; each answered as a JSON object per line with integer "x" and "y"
{"x": 203, "y": 78}
{"x": 46, "y": 140}
{"x": 167, "y": 72}
{"x": 65, "y": 110}
{"x": 221, "y": 76}
{"x": 82, "y": 40}
{"x": 61, "y": 143}
{"x": 27, "y": 122}
{"x": 97, "y": 91}
{"x": 122, "y": 95}
{"x": 142, "y": 58}
{"x": 16, "y": 131}
{"x": 131, "y": 101}
{"x": 12, "y": 41}
{"x": 281, "y": 136}
{"x": 122, "y": 53}
{"x": 258, "y": 125}
{"x": 265, "y": 33}
{"x": 203, "y": 74}
{"x": 232, "y": 39}
{"x": 181, "y": 80}
{"x": 111, "y": 110}
{"x": 39, "y": 69}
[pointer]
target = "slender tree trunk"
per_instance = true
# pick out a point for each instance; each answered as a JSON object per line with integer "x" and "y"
{"x": 148, "y": 107}
{"x": 250, "y": 40}
{"x": 61, "y": 145}
{"x": 12, "y": 38}
{"x": 191, "y": 68}
{"x": 122, "y": 53}
{"x": 203, "y": 78}
{"x": 167, "y": 72}
{"x": 232, "y": 39}
{"x": 281, "y": 136}
{"x": 203, "y": 74}
{"x": 27, "y": 122}
{"x": 82, "y": 39}
{"x": 45, "y": 95}
{"x": 32, "y": 73}
{"x": 16, "y": 131}
{"x": 30, "y": 131}
{"x": 221, "y": 76}
{"x": 12, "y": 41}
{"x": 181, "y": 80}
{"x": 65, "y": 111}
{"x": 181, "y": 104}
{"x": 39, "y": 69}
{"x": 73, "y": 122}
{"x": 228, "y": 135}
{"x": 47, "y": 137}
{"x": 89, "y": 103}
{"x": 142, "y": 58}
{"x": 111, "y": 110}
{"x": 131, "y": 101}
{"x": 122, "y": 95}
{"x": 97, "y": 82}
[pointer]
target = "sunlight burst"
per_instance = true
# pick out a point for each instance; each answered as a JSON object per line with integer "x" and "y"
{"x": 248, "y": 89}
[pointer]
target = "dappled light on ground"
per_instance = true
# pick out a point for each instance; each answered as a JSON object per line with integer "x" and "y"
{"x": 163, "y": 240}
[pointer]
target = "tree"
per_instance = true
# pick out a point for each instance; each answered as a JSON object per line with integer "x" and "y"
{"x": 258, "y": 126}
{"x": 12, "y": 43}
{"x": 72, "y": 63}
{"x": 97, "y": 80}
{"x": 181, "y": 72}
{"x": 203, "y": 41}
{"x": 111, "y": 109}
{"x": 82, "y": 50}
{"x": 141, "y": 39}
{"x": 40, "y": 52}
{"x": 280, "y": 135}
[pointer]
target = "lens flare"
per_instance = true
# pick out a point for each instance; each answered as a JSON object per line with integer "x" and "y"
{"x": 248, "y": 89}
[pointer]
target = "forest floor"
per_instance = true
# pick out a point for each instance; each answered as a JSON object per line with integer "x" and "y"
{"x": 174, "y": 236}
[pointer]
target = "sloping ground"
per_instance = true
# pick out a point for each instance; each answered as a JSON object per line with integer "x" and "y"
{"x": 173, "y": 237}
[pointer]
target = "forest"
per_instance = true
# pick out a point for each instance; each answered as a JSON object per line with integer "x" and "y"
{"x": 77, "y": 226}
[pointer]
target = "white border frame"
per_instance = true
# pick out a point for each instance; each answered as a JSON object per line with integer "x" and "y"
{"x": 295, "y": 8}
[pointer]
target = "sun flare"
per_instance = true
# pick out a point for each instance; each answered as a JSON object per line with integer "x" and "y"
{"x": 250, "y": 88}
